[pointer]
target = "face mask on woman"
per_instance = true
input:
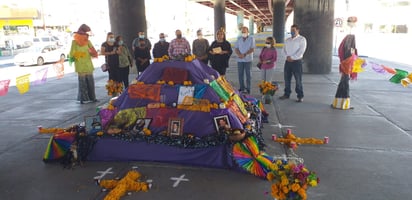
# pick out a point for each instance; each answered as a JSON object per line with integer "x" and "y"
{"x": 120, "y": 42}
{"x": 267, "y": 45}
{"x": 111, "y": 40}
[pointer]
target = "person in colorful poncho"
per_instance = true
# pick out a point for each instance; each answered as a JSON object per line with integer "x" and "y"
{"x": 81, "y": 53}
{"x": 347, "y": 55}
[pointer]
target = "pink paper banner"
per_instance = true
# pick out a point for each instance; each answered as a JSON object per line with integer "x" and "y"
{"x": 4, "y": 87}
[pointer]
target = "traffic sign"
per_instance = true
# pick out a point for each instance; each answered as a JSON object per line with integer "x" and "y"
{"x": 338, "y": 22}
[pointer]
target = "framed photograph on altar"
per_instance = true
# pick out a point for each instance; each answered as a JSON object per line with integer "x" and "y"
{"x": 142, "y": 123}
{"x": 93, "y": 124}
{"x": 175, "y": 127}
{"x": 222, "y": 123}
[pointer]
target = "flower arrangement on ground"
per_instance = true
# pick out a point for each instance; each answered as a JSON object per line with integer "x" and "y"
{"x": 113, "y": 88}
{"x": 290, "y": 180}
{"x": 267, "y": 88}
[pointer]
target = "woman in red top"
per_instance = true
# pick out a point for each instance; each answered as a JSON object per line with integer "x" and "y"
{"x": 267, "y": 59}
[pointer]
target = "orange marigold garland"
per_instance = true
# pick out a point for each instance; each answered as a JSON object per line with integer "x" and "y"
{"x": 128, "y": 183}
{"x": 292, "y": 141}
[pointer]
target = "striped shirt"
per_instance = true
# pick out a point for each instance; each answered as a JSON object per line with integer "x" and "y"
{"x": 178, "y": 47}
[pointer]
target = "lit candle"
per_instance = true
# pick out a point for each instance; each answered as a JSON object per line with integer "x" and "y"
{"x": 326, "y": 140}
{"x": 293, "y": 145}
{"x": 274, "y": 137}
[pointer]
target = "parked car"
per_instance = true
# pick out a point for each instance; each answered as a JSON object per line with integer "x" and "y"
{"x": 38, "y": 55}
{"x": 47, "y": 40}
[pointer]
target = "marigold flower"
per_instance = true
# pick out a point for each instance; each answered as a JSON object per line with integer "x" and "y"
{"x": 313, "y": 183}
{"x": 302, "y": 193}
{"x": 270, "y": 176}
{"x": 284, "y": 180}
{"x": 295, "y": 187}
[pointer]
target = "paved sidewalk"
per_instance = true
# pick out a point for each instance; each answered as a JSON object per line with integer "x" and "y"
{"x": 368, "y": 156}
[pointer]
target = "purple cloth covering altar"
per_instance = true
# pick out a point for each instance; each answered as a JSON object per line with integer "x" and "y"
{"x": 111, "y": 149}
{"x": 196, "y": 123}
{"x": 198, "y": 71}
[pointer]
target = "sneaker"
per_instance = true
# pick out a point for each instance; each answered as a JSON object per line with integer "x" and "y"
{"x": 96, "y": 100}
{"x": 284, "y": 97}
{"x": 299, "y": 100}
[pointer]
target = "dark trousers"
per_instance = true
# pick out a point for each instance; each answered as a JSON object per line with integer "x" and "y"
{"x": 293, "y": 68}
{"x": 86, "y": 90}
{"x": 124, "y": 76}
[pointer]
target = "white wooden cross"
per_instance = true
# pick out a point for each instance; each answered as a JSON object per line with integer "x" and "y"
{"x": 282, "y": 126}
{"x": 103, "y": 173}
{"x": 178, "y": 179}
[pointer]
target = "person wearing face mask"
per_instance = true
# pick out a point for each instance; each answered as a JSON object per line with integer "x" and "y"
{"x": 111, "y": 52}
{"x": 244, "y": 48}
{"x": 267, "y": 59}
{"x": 220, "y": 52}
{"x": 141, "y": 35}
{"x": 142, "y": 57}
{"x": 179, "y": 47}
{"x": 161, "y": 47}
{"x": 200, "y": 47}
{"x": 294, "y": 49}
{"x": 125, "y": 61}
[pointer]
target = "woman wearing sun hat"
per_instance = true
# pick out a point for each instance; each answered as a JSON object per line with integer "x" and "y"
{"x": 81, "y": 53}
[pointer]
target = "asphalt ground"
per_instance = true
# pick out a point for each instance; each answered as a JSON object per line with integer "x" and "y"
{"x": 368, "y": 155}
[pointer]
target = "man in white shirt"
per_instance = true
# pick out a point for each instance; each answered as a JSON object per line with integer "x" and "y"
{"x": 294, "y": 49}
{"x": 244, "y": 48}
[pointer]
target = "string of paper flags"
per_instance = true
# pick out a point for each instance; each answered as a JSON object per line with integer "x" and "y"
{"x": 23, "y": 82}
{"x": 400, "y": 76}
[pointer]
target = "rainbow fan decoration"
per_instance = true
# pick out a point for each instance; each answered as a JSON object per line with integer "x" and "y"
{"x": 58, "y": 146}
{"x": 248, "y": 156}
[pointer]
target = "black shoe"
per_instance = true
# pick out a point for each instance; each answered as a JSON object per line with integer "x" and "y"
{"x": 299, "y": 100}
{"x": 96, "y": 100}
{"x": 284, "y": 97}
{"x": 81, "y": 102}
{"x": 248, "y": 91}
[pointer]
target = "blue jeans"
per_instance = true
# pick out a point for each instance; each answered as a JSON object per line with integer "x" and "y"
{"x": 244, "y": 68}
{"x": 293, "y": 68}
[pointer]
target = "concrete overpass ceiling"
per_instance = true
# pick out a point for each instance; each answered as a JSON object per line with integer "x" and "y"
{"x": 261, "y": 10}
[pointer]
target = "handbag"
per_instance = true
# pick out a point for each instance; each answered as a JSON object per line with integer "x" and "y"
{"x": 105, "y": 67}
{"x": 259, "y": 65}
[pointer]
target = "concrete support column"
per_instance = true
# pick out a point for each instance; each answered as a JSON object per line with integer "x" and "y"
{"x": 315, "y": 19}
{"x": 219, "y": 12}
{"x": 127, "y": 18}
{"x": 240, "y": 16}
{"x": 279, "y": 20}
{"x": 251, "y": 25}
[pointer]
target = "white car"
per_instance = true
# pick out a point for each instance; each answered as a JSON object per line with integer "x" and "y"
{"x": 47, "y": 40}
{"x": 38, "y": 55}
